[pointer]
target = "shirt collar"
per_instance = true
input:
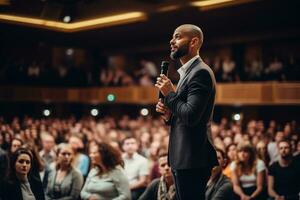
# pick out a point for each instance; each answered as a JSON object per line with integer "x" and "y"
{"x": 184, "y": 67}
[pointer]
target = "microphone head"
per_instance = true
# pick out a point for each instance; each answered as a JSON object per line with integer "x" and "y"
{"x": 164, "y": 63}
{"x": 164, "y": 67}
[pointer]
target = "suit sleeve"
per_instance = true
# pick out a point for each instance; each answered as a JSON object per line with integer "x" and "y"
{"x": 199, "y": 89}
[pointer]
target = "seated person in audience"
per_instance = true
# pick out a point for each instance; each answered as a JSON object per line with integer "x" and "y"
{"x": 136, "y": 167}
{"x": 219, "y": 187}
{"x": 19, "y": 185}
{"x": 284, "y": 175}
{"x": 106, "y": 180}
{"x": 38, "y": 168}
{"x": 247, "y": 173}
{"x": 64, "y": 181}
{"x": 162, "y": 188}
{"x": 262, "y": 152}
{"x": 47, "y": 153}
{"x": 231, "y": 157}
{"x": 4, "y": 164}
{"x": 273, "y": 147}
{"x": 80, "y": 161}
{"x": 15, "y": 144}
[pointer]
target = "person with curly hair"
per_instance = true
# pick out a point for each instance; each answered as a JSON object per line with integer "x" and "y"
{"x": 106, "y": 179}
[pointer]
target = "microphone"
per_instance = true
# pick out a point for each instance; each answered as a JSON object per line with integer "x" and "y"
{"x": 163, "y": 70}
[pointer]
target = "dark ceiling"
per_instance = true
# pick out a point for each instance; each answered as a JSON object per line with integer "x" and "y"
{"x": 257, "y": 20}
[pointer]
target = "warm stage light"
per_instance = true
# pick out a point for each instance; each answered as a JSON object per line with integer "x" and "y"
{"x": 101, "y": 22}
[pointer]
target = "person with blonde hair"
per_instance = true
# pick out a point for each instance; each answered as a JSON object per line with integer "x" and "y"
{"x": 247, "y": 173}
{"x": 64, "y": 181}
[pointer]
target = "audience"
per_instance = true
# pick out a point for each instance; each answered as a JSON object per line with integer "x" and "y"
{"x": 144, "y": 72}
{"x": 140, "y": 139}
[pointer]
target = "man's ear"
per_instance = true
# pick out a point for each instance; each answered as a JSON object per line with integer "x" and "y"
{"x": 194, "y": 41}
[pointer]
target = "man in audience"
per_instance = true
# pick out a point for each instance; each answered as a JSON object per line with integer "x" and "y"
{"x": 283, "y": 179}
{"x": 15, "y": 144}
{"x": 219, "y": 186}
{"x": 136, "y": 167}
{"x": 273, "y": 147}
{"x": 3, "y": 164}
{"x": 163, "y": 187}
{"x": 47, "y": 153}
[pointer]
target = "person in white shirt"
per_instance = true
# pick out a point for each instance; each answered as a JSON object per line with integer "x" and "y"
{"x": 247, "y": 173}
{"x": 136, "y": 167}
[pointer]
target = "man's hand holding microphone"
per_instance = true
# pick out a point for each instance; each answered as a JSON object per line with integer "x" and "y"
{"x": 165, "y": 86}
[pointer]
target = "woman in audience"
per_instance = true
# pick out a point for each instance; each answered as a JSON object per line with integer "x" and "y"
{"x": 64, "y": 182}
{"x": 19, "y": 185}
{"x": 38, "y": 169}
{"x": 231, "y": 155}
{"x": 247, "y": 173}
{"x": 106, "y": 179}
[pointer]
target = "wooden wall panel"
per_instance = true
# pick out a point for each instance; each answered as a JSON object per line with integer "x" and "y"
{"x": 271, "y": 93}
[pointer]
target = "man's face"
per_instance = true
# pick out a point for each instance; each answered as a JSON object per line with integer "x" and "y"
{"x": 130, "y": 146}
{"x": 48, "y": 143}
{"x": 279, "y": 136}
{"x": 179, "y": 44}
{"x": 75, "y": 143}
{"x": 284, "y": 150}
{"x": 15, "y": 144}
{"x": 164, "y": 168}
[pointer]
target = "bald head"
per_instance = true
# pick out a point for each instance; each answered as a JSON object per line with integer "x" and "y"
{"x": 186, "y": 42}
{"x": 192, "y": 31}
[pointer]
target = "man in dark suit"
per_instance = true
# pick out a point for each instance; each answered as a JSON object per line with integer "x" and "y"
{"x": 188, "y": 110}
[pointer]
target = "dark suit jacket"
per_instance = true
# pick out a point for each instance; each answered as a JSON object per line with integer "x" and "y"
{"x": 192, "y": 106}
{"x": 11, "y": 190}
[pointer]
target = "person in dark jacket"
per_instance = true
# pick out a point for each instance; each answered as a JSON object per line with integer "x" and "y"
{"x": 3, "y": 164}
{"x": 162, "y": 188}
{"x": 188, "y": 109}
{"x": 219, "y": 187}
{"x": 20, "y": 185}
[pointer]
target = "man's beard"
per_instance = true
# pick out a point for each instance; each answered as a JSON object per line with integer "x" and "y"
{"x": 286, "y": 156}
{"x": 180, "y": 52}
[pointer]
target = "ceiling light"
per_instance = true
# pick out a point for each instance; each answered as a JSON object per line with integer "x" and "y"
{"x": 94, "y": 112}
{"x": 101, "y": 22}
{"x": 46, "y": 112}
{"x": 212, "y": 4}
{"x": 67, "y": 19}
{"x": 144, "y": 111}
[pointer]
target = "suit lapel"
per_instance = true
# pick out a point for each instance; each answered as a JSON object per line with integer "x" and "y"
{"x": 196, "y": 62}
